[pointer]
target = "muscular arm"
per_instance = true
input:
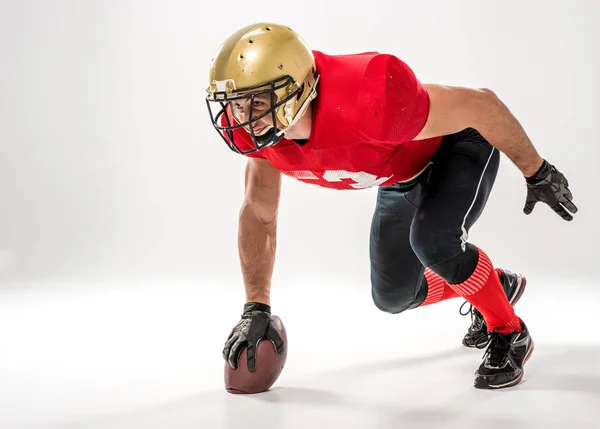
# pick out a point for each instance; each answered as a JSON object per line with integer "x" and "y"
{"x": 455, "y": 108}
{"x": 257, "y": 228}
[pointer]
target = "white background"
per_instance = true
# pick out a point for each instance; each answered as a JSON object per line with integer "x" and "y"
{"x": 119, "y": 202}
{"x": 110, "y": 168}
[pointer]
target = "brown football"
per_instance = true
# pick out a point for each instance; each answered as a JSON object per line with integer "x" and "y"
{"x": 268, "y": 366}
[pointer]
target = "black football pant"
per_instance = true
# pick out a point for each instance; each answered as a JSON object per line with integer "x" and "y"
{"x": 425, "y": 223}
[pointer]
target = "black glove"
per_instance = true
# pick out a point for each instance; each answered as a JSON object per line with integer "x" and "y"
{"x": 254, "y": 325}
{"x": 549, "y": 186}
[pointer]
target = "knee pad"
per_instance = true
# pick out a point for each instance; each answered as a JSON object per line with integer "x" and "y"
{"x": 391, "y": 304}
{"x": 398, "y": 299}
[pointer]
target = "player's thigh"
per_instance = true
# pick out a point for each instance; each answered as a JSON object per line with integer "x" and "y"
{"x": 461, "y": 180}
{"x": 396, "y": 272}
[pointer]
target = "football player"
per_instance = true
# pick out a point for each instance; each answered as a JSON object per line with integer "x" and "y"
{"x": 350, "y": 122}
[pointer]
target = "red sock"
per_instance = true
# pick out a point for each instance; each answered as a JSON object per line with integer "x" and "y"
{"x": 484, "y": 290}
{"x": 437, "y": 289}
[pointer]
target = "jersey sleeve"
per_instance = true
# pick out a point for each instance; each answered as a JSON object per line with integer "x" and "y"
{"x": 394, "y": 104}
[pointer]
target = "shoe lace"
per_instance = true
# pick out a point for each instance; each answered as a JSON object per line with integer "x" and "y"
{"x": 470, "y": 310}
{"x": 499, "y": 345}
{"x": 475, "y": 319}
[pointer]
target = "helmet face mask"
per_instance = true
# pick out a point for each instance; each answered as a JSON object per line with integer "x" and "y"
{"x": 270, "y": 134}
{"x": 265, "y": 61}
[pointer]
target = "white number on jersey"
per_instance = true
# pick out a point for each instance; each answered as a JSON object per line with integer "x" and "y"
{"x": 361, "y": 179}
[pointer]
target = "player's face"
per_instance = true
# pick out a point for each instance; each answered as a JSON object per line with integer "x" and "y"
{"x": 260, "y": 104}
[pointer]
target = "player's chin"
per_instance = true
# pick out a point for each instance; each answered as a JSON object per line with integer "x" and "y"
{"x": 259, "y": 131}
{"x": 267, "y": 131}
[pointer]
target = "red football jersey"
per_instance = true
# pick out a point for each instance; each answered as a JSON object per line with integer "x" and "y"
{"x": 368, "y": 109}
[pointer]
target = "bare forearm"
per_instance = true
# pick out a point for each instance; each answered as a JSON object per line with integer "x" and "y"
{"x": 499, "y": 126}
{"x": 256, "y": 244}
{"x": 454, "y": 108}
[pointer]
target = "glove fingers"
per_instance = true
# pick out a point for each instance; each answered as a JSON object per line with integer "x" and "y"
{"x": 274, "y": 336}
{"x": 235, "y": 351}
{"x": 258, "y": 332}
{"x": 252, "y": 355}
{"x": 558, "y": 208}
{"x": 552, "y": 189}
{"x": 569, "y": 205}
{"x": 227, "y": 347}
{"x": 529, "y": 205}
{"x": 568, "y": 195}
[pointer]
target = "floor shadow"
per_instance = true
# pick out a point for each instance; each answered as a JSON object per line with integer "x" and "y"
{"x": 554, "y": 369}
{"x": 562, "y": 368}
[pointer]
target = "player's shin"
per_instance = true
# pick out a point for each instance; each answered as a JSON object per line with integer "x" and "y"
{"x": 482, "y": 288}
{"x": 438, "y": 289}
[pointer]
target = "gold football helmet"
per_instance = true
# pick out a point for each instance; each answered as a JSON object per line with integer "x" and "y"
{"x": 261, "y": 60}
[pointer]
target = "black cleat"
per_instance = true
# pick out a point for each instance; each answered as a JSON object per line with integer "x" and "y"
{"x": 504, "y": 359}
{"x": 513, "y": 285}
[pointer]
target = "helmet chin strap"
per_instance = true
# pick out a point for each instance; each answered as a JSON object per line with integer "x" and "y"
{"x": 278, "y": 135}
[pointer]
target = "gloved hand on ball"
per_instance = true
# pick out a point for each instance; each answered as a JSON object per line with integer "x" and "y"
{"x": 548, "y": 185}
{"x": 255, "y": 325}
